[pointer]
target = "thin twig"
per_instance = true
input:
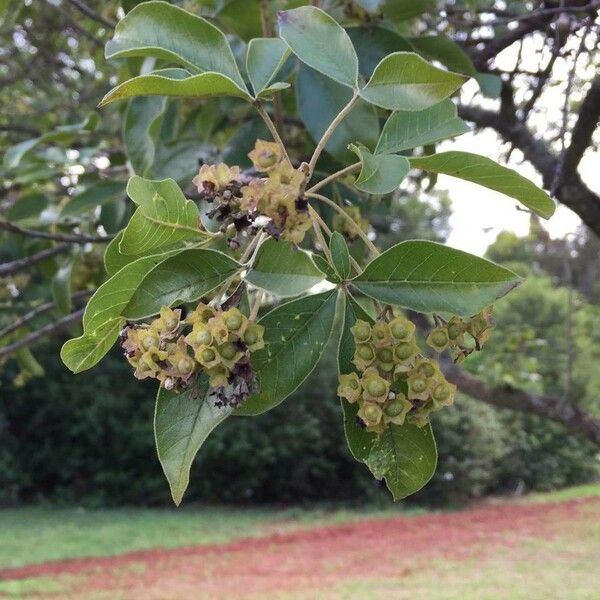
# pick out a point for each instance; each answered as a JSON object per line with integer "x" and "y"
{"x": 329, "y": 132}
{"x": 47, "y": 330}
{"x": 14, "y": 266}
{"x": 36, "y": 312}
{"x": 56, "y": 237}
{"x": 86, "y": 10}
{"x": 337, "y": 175}
{"x": 256, "y": 306}
{"x": 363, "y": 236}
{"x": 271, "y": 126}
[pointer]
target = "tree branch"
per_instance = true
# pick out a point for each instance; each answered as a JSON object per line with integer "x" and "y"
{"x": 57, "y": 237}
{"x": 572, "y": 192}
{"x": 581, "y": 136}
{"x": 39, "y": 310}
{"x": 47, "y": 330}
{"x": 556, "y": 409}
{"x": 14, "y": 266}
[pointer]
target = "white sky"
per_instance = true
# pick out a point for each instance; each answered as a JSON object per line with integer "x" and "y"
{"x": 480, "y": 214}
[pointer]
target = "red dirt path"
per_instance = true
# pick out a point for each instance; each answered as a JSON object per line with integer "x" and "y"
{"x": 316, "y": 558}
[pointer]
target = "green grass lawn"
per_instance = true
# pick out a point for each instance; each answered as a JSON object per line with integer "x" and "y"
{"x": 36, "y": 535}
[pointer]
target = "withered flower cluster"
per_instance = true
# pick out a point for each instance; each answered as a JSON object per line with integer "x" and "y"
{"x": 273, "y": 201}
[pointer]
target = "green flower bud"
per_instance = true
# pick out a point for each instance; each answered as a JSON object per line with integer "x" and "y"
{"x": 370, "y": 413}
{"x": 438, "y": 339}
{"x": 395, "y": 410}
{"x": 418, "y": 388}
{"x": 375, "y": 388}
{"x": 404, "y": 351}
{"x": 349, "y": 387}
{"x": 385, "y": 355}
{"x": 202, "y": 337}
{"x": 208, "y": 355}
{"x": 365, "y": 352}
{"x": 401, "y": 328}
{"x": 361, "y": 331}
{"x": 233, "y": 319}
{"x": 380, "y": 334}
{"x": 253, "y": 337}
{"x": 443, "y": 395}
{"x": 228, "y": 350}
{"x": 426, "y": 368}
{"x": 150, "y": 341}
{"x": 185, "y": 366}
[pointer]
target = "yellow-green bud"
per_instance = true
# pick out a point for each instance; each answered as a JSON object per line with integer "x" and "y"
{"x": 185, "y": 366}
{"x": 150, "y": 341}
{"x": 228, "y": 351}
{"x": 365, "y": 352}
{"x": 208, "y": 355}
{"x": 404, "y": 351}
{"x": 385, "y": 355}
{"x": 361, "y": 331}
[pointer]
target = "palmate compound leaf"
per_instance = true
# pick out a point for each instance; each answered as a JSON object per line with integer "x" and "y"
{"x": 404, "y": 455}
{"x": 430, "y": 277}
{"x": 320, "y": 42}
{"x": 283, "y": 269}
{"x": 162, "y": 30}
{"x": 483, "y": 171}
{"x": 182, "y": 422}
{"x": 409, "y": 129}
{"x": 405, "y": 81}
{"x": 380, "y": 173}
{"x": 296, "y": 334}
{"x": 164, "y": 217}
{"x": 137, "y": 291}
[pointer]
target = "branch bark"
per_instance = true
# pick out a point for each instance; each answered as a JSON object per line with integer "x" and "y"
{"x": 57, "y": 237}
{"x": 556, "y": 409}
{"x": 14, "y": 266}
{"x": 572, "y": 192}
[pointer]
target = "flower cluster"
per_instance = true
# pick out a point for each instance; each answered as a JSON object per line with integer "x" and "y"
{"x": 209, "y": 340}
{"x": 388, "y": 360}
{"x": 452, "y": 334}
{"x": 274, "y": 201}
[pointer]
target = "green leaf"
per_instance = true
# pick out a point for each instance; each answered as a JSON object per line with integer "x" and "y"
{"x": 164, "y": 217}
{"x": 324, "y": 266}
{"x": 14, "y": 154}
{"x": 340, "y": 254}
{"x": 296, "y": 334}
{"x": 61, "y": 286}
{"x": 380, "y": 173}
{"x": 141, "y": 130}
{"x": 165, "y": 31}
{"x": 320, "y": 99}
{"x": 111, "y": 298}
{"x": 489, "y": 174}
{"x": 359, "y": 440}
{"x": 409, "y": 129}
{"x": 88, "y": 349}
{"x": 320, "y": 42}
{"x": 372, "y": 44}
{"x": 26, "y": 206}
{"x": 445, "y": 50}
{"x": 283, "y": 269}
{"x": 182, "y": 422}
{"x": 184, "y": 277}
{"x": 264, "y": 59}
{"x": 489, "y": 84}
{"x": 430, "y": 277}
{"x": 95, "y": 195}
{"x": 175, "y": 82}
{"x": 405, "y": 456}
{"x": 404, "y": 81}
{"x": 400, "y": 10}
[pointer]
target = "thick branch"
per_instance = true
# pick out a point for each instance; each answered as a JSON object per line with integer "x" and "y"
{"x": 581, "y": 136}
{"x": 573, "y": 192}
{"x": 47, "y": 330}
{"x": 556, "y": 409}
